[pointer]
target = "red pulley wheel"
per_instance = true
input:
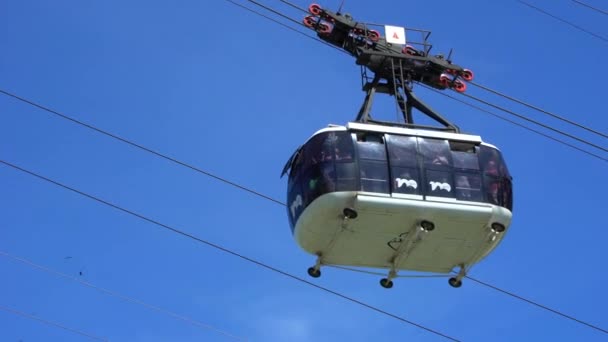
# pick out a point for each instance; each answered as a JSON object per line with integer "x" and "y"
{"x": 324, "y": 28}
{"x": 308, "y": 21}
{"x": 374, "y": 35}
{"x": 467, "y": 75}
{"x": 314, "y": 9}
{"x": 460, "y": 87}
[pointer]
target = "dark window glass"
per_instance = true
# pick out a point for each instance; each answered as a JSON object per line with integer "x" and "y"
{"x": 325, "y": 164}
{"x": 374, "y": 176}
{"x": 465, "y": 160}
{"x": 499, "y": 191}
{"x": 296, "y": 166}
{"x": 439, "y": 183}
{"x": 406, "y": 180}
{"x": 335, "y": 146}
{"x": 508, "y": 194}
{"x": 320, "y": 179}
{"x": 403, "y": 158}
{"x": 295, "y": 204}
{"x": 313, "y": 151}
{"x": 494, "y": 188}
{"x": 346, "y": 177}
{"x": 343, "y": 147}
{"x": 345, "y": 166}
{"x": 497, "y": 180}
{"x": 491, "y": 162}
{"x": 462, "y": 146}
{"x": 468, "y": 187}
{"x": 371, "y": 146}
{"x": 402, "y": 151}
{"x": 436, "y": 153}
{"x": 373, "y": 169}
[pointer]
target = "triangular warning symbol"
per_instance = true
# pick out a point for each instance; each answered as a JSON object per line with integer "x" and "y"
{"x": 395, "y": 34}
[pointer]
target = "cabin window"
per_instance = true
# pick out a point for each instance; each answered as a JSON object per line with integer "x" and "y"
{"x": 405, "y": 180}
{"x": 465, "y": 160}
{"x": 371, "y": 146}
{"x": 462, "y": 146}
{"x": 497, "y": 180}
{"x": 317, "y": 150}
{"x": 403, "y": 159}
{"x": 468, "y": 187}
{"x": 346, "y": 167}
{"x": 295, "y": 203}
{"x": 464, "y": 155}
{"x": 375, "y": 162}
{"x": 438, "y": 180}
{"x": 508, "y": 194}
{"x": 373, "y": 168}
{"x": 491, "y": 162}
{"x": 317, "y": 175}
{"x": 439, "y": 183}
{"x": 436, "y": 153}
{"x": 325, "y": 164}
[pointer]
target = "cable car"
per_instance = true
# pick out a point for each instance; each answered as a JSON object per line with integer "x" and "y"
{"x": 396, "y": 195}
{"x": 398, "y": 198}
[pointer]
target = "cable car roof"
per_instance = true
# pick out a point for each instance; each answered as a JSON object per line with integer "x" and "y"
{"x": 357, "y": 126}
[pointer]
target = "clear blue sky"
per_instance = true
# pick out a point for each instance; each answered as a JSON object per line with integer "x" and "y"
{"x": 235, "y": 94}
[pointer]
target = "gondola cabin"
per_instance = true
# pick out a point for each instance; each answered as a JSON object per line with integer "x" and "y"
{"x": 366, "y": 195}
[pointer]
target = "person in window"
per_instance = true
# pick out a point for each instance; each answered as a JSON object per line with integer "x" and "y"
{"x": 491, "y": 169}
{"x": 323, "y": 175}
{"x": 463, "y": 186}
{"x": 343, "y": 153}
{"x": 440, "y": 159}
{"x": 327, "y": 155}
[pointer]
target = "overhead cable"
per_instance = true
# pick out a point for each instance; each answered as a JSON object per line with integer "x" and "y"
{"x": 540, "y": 110}
{"x": 120, "y": 296}
{"x": 51, "y": 323}
{"x": 539, "y": 305}
{"x": 294, "y": 6}
{"x": 515, "y": 123}
{"x": 146, "y": 149}
{"x": 586, "y": 142}
{"x": 500, "y": 108}
{"x": 563, "y": 21}
{"x": 591, "y": 7}
{"x": 136, "y": 145}
{"x": 284, "y": 25}
{"x": 159, "y": 154}
{"x": 188, "y": 166}
{"x": 226, "y": 250}
{"x": 164, "y": 156}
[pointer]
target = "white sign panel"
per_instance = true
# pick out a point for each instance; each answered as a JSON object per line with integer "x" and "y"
{"x": 395, "y": 34}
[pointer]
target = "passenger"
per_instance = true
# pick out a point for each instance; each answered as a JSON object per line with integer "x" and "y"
{"x": 436, "y": 153}
{"x": 440, "y": 159}
{"x": 491, "y": 169}
{"x": 327, "y": 155}
{"x": 321, "y": 180}
{"x": 344, "y": 154}
{"x": 463, "y": 186}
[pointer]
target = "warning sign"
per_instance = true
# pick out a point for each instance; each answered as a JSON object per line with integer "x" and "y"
{"x": 395, "y": 34}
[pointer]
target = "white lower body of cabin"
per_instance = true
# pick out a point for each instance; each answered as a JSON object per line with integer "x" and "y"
{"x": 387, "y": 231}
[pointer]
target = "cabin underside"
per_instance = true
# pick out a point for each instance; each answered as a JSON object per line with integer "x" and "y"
{"x": 404, "y": 233}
